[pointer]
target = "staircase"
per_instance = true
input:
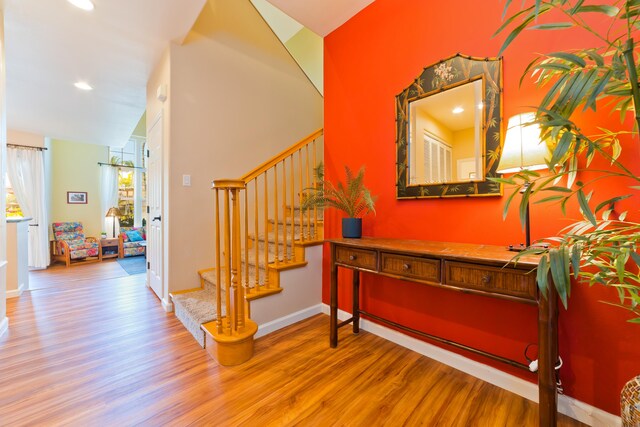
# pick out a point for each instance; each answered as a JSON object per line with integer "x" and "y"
{"x": 260, "y": 231}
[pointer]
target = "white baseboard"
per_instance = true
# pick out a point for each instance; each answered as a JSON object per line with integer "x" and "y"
{"x": 14, "y": 293}
{"x": 569, "y": 406}
{"x": 287, "y": 320}
{"x": 167, "y": 304}
{"x": 4, "y": 326}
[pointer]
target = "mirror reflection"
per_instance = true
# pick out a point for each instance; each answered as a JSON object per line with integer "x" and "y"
{"x": 445, "y": 136}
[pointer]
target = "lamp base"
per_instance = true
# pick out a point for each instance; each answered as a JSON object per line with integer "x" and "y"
{"x": 521, "y": 247}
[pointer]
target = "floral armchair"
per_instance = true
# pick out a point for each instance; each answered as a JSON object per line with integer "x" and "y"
{"x": 71, "y": 244}
{"x": 132, "y": 241}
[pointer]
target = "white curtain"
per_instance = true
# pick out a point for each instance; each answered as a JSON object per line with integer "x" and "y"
{"x": 25, "y": 168}
{"x": 109, "y": 196}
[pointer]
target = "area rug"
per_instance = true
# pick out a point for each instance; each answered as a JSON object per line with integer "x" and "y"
{"x": 134, "y": 264}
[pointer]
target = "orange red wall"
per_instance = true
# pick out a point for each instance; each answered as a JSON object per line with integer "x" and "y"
{"x": 368, "y": 61}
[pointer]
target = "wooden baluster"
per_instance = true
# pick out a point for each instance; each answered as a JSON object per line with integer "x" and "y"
{"x": 308, "y": 185}
{"x": 300, "y": 197}
{"x": 275, "y": 213}
{"x": 237, "y": 250}
{"x": 218, "y": 267}
{"x": 293, "y": 215}
{"x": 245, "y": 282}
{"x": 256, "y": 282}
{"x": 266, "y": 229}
{"x": 227, "y": 259}
{"x": 315, "y": 208}
{"x": 284, "y": 211}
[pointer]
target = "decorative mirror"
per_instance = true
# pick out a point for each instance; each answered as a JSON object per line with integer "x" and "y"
{"x": 448, "y": 133}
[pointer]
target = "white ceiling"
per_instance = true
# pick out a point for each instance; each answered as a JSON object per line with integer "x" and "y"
{"x": 321, "y": 16}
{"x": 51, "y": 44}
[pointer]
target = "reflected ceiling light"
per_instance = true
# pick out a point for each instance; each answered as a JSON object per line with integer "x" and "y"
{"x": 83, "y": 85}
{"x": 82, "y": 4}
{"x": 480, "y": 105}
{"x": 457, "y": 110}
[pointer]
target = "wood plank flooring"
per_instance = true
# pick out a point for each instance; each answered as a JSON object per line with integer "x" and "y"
{"x": 100, "y": 351}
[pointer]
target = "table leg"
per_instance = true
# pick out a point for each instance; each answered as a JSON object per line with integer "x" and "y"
{"x": 547, "y": 357}
{"x": 356, "y": 301}
{"x": 333, "y": 305}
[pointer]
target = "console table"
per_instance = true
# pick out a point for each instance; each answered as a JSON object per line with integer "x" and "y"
{"x": 476, "y": 269}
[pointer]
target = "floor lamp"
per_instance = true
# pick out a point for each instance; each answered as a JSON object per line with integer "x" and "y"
{"x": 523, "y": 150}
{"x": 114, "y": 213}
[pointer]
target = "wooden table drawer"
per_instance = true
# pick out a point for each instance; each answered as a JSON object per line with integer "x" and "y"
{"x": 505, "y": 281}
{"x": 411, "y": 266}
{"x": 357, "y": 257}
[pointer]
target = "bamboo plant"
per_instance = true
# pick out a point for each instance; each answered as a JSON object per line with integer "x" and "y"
{"x": 602, "y": 248}
{"x": 352, "y": 197}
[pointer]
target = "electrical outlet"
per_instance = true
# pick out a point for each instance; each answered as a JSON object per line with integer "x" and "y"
{"x": 186, "y": 180}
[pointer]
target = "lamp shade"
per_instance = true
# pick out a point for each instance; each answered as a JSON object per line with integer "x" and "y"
{"x": 114, "y": 212}
{"x": 522, "y": 146}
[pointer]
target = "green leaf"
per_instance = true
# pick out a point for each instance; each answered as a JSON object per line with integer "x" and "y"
{"x": 549, "y": 199}
{"x": 552, "y": 26}
{"x": 575, "y": 260}
{"x": 509, "y": 181}
{"x": 597, "y": 90}
{"x": 611, "y": 201}
{"x": 575, "y": 59}
{"x": 620, "y": 263}
{"x": 586, "y": 210}
{"x": 505, "y": 211}
{"x": 542, "y": 276}
{"x": 599, "y": 8}
{"x": 515, "y": 33}
{"x": 561, "y": 148}
{"x": 560, "y": 189}
{"x": 558, "y": 274}
{"x": 635, "y": 257}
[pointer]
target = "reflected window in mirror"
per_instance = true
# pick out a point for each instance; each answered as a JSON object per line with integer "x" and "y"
{"x": 449, "y": 130}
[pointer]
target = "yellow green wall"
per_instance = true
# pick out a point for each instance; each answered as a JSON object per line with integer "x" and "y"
{"x": 308, "y": 50}
{"x": 75, "y": 168}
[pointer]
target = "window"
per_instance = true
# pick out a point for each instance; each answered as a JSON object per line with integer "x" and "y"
{"x": 13, "y": 207}
{"x": 132, "y": 180}
{"x": 437, "y": 160}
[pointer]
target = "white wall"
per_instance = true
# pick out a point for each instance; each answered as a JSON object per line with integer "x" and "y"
{"x": 236, "y": 99}
{"x": 24, "y": 138}
{"x": 4, "y": 322}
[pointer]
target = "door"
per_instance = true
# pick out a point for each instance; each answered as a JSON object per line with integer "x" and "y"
{"x": 154, "y": 196}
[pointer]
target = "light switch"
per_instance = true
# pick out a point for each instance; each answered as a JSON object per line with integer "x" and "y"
{"x": 186, "y": 180}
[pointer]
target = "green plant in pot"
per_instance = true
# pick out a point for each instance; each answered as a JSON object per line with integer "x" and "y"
{"x": 602, "y": 248}
{"x": 350, "y": 197}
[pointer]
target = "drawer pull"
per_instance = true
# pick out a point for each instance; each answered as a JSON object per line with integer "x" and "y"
{"x": 486, "y": 278}
{"x": 406, "y": 267}
{"x": 352, "y": 257}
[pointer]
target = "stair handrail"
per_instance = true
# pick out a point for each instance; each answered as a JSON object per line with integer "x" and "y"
{"x": 280, "y": 157}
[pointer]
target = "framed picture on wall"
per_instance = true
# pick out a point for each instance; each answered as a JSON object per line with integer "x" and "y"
{"x": 77, "y": 197}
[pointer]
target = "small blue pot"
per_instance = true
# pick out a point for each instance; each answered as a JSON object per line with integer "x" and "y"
{"x": 352, "y": 228}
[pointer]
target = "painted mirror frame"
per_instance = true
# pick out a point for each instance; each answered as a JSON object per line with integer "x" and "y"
{"x": 447, "y": 74}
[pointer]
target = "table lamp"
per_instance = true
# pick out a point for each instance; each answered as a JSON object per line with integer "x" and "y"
{"x": 113, "y": 213}
{"x": 523, "y": 150}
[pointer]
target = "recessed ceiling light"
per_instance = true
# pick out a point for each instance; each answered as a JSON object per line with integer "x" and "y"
{"x": 457, "y": 110}
{"x": 82, "y": 4}
{"x": 83, "y": 86}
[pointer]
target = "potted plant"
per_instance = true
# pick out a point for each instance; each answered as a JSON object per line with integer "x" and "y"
{"x": 602, "y": 249}
{"x": 352, "y": 198}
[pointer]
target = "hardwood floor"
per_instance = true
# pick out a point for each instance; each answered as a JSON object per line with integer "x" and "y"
{"x": 101, "y": 351}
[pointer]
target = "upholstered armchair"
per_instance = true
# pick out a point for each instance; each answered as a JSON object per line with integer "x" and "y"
{"x": 72, "y": 245}
{"x": 132, "y": 241}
